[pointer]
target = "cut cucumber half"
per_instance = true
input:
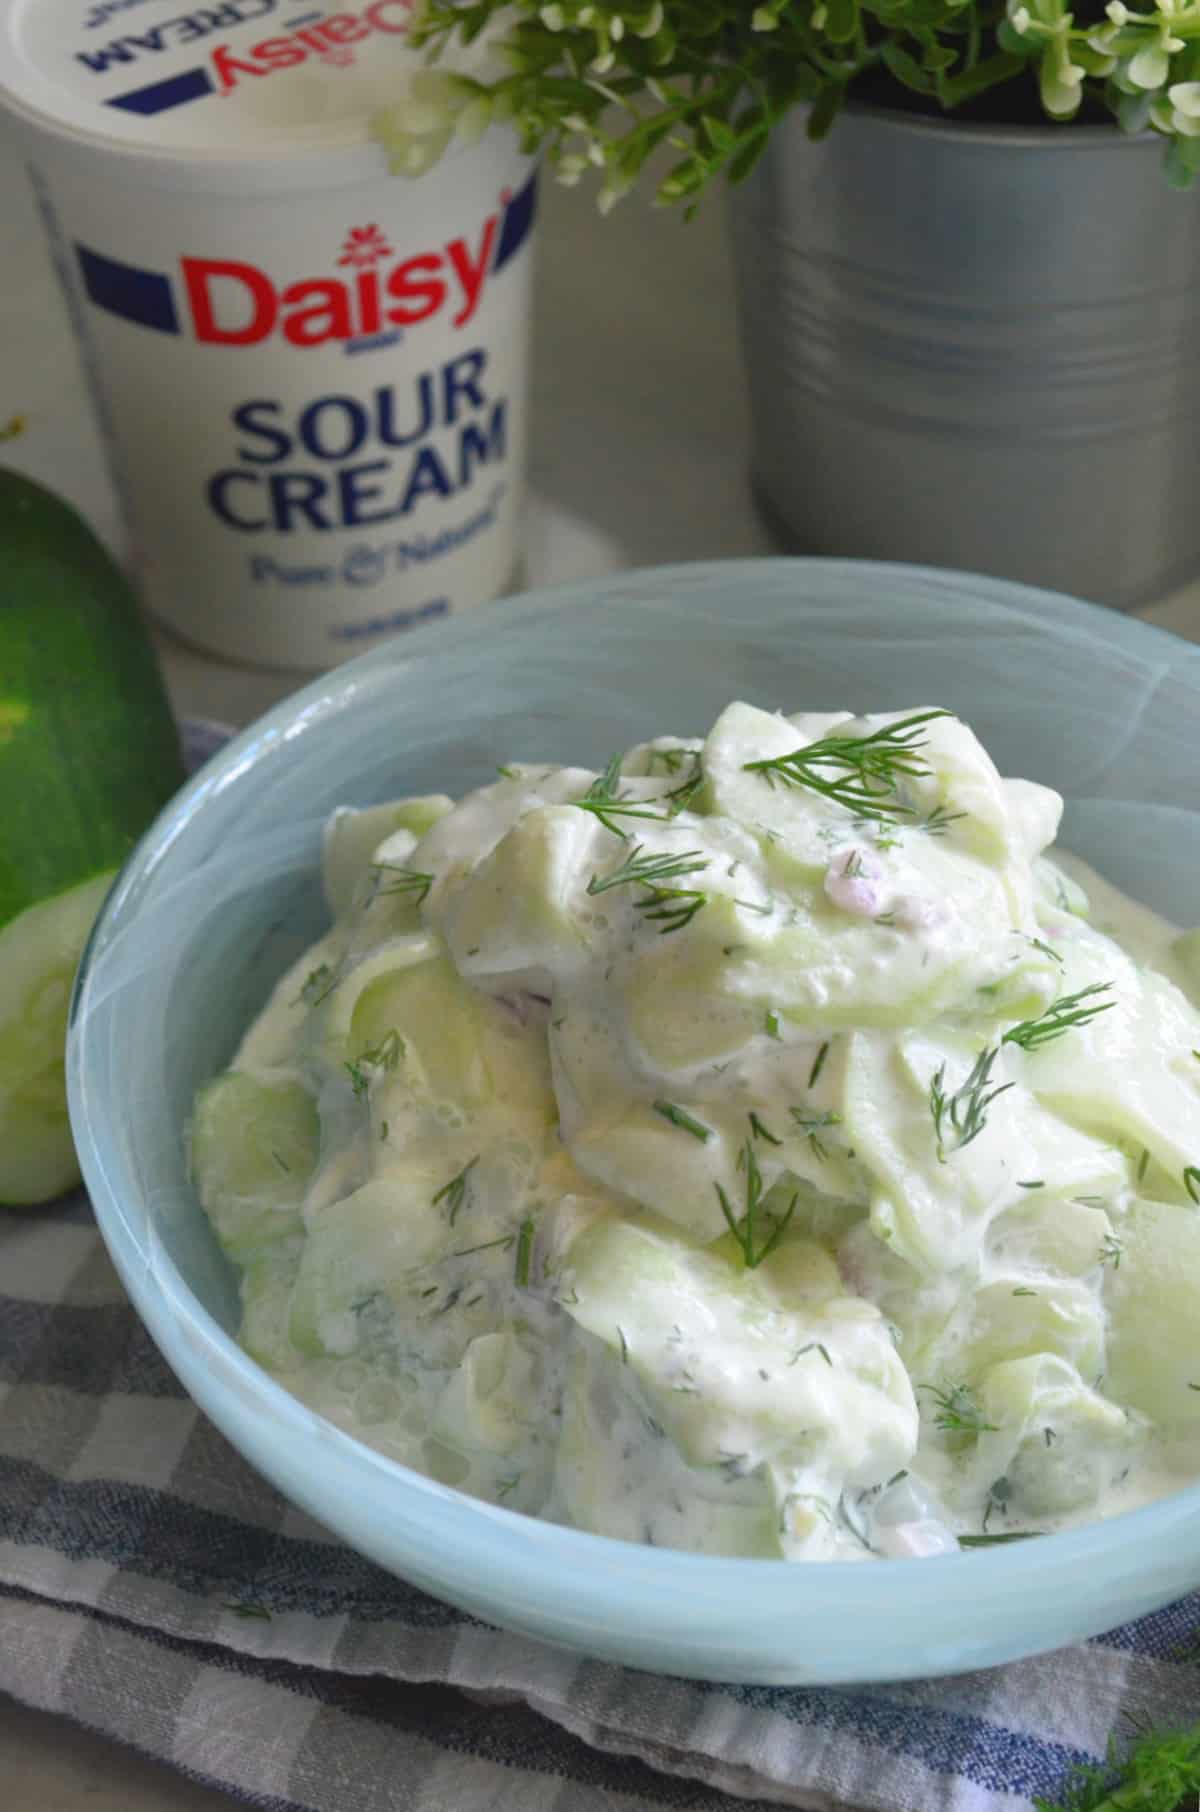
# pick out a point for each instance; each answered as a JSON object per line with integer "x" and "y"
{"x": 39, "y": 950}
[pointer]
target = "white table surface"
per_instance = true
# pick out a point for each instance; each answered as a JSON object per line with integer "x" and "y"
{"x": 639, "y": 456}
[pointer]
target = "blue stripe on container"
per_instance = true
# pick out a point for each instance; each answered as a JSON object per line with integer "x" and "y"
{"x": 158, "y": 97}
{"x": 123, "y": 289}
{"x": 517, "y": 224}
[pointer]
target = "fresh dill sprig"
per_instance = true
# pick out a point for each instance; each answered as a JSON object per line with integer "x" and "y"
{"x": 862, "y": 773}
{"x": 604, "y": 800}
{"x": 1191, "y": 1181}
{"x": 524, "y": 1252}
{"x": 505, "y": 1241}
{"x": 671, "y": 907}
{"x": 759, "y": 1131}
{"x": 818, "y": 1064}
{"x": 957, "y": 1410}
{"x": 813, "y": 1125}
{"x": 960, "y": 1117}
{"x": 998, "y": 1540}
{"x": 814, "y": 1346}
{"x": 250, "y": 1610}
{"x": 1059, "y": 1017}
{"x": 319, "y": 983}
{"x": 410, "y": 881}
{"x": 649, "y": 871}
{"x": 1111, "y": 1249}
{"x": 454, "y": 1193}
{"x": 681, "y": 796}
{"x": 743, "y": 1230}
{"x": 679, "y": 1116}
{"x": 1046, "y": 950}
{"x": 1156, "y": 1774}
{"x": 940, "y": 820}
{"x": 383, "y": 1056}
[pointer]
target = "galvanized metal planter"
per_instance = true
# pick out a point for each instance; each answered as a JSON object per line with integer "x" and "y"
{"x": 976, "y": 347}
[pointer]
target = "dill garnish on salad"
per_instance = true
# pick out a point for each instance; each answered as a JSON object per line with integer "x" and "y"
{"x": 766, "y": 1144}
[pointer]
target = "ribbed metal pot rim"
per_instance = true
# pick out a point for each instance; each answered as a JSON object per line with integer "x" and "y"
{"x": 1065, "y": 136}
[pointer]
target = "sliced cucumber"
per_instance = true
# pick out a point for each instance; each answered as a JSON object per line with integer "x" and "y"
{"x": 254, "y": 1146}
{"x": 39, "y": 950}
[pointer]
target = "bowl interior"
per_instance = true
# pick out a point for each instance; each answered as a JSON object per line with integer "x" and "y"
{"x": 223, "y": 893}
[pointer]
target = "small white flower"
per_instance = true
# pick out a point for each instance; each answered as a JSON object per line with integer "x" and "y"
{"x": 586, "y": 15}
{"x": 595, "y": 154}
{"x": 1149, "y": 68}
{"x": 652, "y": 24}
{"x": 1118, "y": 12}
{"x": 1102, "y": 41}
{"x": 1060, "y": 80}
{"x": 819, "y": 17}
{"x": 616, "y": 28}
{"x": 603, "y": 63}
{"x": 1185, "y": 98}
{"x": 1021, "y": 20}
{"x": 763, "y": 19}
{"x": 553, "y": 17}
{"x": 474, "y": 120}
{"x": 421, "y": 117}
{"x": 574, "y": 122}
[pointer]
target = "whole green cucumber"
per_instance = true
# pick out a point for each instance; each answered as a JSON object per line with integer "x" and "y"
{"x": 88, "y": 754}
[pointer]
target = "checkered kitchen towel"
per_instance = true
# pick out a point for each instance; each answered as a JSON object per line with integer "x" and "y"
{"x": 154, "y": 1587}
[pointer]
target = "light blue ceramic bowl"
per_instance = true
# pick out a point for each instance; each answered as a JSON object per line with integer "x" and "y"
{"x": 223, "y": 893}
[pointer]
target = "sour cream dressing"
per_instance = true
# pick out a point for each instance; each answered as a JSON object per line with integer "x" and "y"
{"x": 710, "y": 1158}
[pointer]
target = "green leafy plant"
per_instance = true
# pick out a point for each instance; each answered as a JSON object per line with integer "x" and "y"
{"x": 1153, "y": 1774}
{"x": 604, "y": 84}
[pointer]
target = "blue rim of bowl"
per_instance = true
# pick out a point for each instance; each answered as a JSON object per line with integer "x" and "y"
{"x": 833, "y": 1584}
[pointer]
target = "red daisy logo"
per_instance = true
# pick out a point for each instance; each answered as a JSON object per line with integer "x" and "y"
{"x": 364, "y": 247}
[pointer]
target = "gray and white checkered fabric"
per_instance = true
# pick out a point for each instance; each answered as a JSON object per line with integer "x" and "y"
{"x": 154, "y": 1587}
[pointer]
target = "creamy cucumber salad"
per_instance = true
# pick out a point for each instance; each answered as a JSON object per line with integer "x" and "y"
{"x": 761, "y": 1147}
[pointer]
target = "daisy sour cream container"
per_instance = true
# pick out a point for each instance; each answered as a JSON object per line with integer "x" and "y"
{"x": 311, "y": 373}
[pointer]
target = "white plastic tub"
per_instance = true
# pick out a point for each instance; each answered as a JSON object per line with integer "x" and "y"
{"x": 311, "y": 374}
